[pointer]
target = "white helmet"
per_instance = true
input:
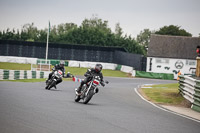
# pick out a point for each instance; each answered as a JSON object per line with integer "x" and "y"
{"x": 62, "y": 63}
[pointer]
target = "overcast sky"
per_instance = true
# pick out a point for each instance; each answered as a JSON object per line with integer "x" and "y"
{"x": 133, "y": 15}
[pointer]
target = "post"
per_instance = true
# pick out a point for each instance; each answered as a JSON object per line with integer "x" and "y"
{"x": 47, "y": 42}
{"x": 198, "y": 67}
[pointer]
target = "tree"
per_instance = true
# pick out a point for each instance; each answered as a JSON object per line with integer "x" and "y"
{"x": 8, "y": 34}
{"x": 173, "y": 30}
{"x": 118, "y": 30}
{"x": 29, "y": 32}
{"x": 144, "y": 37}
{"x": 93, "y": 31}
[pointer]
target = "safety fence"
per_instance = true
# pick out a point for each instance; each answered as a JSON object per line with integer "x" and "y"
{"x": 189, "y": 88}
{"x": 21, "y": 74}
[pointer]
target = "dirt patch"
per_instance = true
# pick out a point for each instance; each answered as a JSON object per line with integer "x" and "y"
{"x": 129, "y": 75}
{"x": 186, "y": 103}
{"x": 172, "y": 94}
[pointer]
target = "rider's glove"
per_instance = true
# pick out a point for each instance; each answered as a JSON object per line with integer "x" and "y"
{"x": 86, "y": 75}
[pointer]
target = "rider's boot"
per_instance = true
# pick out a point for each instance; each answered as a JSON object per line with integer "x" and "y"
{"x": 78, "y": 90}
{"x": 96, "y": 90}
{"x": 47, "y": 81}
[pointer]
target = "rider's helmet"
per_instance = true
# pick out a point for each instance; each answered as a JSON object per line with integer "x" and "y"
{"x": 98, "y": 67}
{"x": 62, "y": 63}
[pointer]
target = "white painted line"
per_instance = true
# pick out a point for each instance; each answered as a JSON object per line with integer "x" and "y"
{"x": 164, "y": 108}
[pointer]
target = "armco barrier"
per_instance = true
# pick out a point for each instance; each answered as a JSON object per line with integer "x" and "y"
{"x": 21, "y": 74}
{"x": 190, "y": 89}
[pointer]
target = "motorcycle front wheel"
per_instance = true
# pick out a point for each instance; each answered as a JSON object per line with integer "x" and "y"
{"x": 51, "y": 85}
{"x": 88, "y": 97}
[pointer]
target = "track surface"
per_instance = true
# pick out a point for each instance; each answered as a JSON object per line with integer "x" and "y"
{"x": 29, "y": 108}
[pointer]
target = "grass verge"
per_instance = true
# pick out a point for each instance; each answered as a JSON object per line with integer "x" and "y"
{"x": 81, "y": 71}
{"x": 14, "y": 66}
{"x": 167, "y": 94}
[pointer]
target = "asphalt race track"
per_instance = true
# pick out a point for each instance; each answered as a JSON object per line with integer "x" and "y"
{"x": 29, "y": 108}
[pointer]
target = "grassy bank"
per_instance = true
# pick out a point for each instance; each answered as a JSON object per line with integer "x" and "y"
{"x": 164, "y": 94}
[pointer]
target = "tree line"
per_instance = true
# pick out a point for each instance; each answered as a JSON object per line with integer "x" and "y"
{"x": 93, "y": 31}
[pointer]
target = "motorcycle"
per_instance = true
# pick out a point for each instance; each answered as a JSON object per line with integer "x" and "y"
{"x": 52, "y": 82}
{"x": 88, "y": 90}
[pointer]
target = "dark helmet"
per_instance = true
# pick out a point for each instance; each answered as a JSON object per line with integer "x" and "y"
{"x": 62, "y": 63}
{"x": 98, "y": 67}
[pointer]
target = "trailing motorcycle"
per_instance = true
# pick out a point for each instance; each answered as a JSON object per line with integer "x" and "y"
{"x": 88, "y": 90}
{"x": 52, "y": 82}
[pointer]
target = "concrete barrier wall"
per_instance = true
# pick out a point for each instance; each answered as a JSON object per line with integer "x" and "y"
{"x": 13, "y": 59}
{"x": 86, "y": 64}
{"x": 21, "y": 74}
{"x": 126, "y": 69}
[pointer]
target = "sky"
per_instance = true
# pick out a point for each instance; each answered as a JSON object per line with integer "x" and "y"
{"x": 133, "y": 15}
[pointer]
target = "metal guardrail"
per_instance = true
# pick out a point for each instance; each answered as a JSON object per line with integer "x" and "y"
{"x": 190, "y": 89}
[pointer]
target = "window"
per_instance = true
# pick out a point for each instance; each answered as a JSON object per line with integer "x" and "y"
{"x": 191, "y": 62}
{"x": 163, "y": 61}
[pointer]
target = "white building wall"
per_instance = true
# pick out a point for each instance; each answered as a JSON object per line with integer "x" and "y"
{"x": 171, "y": 66}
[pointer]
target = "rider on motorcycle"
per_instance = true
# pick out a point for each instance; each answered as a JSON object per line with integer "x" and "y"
{"x": 91, "y": 72}
{"x": 58, "y": 67}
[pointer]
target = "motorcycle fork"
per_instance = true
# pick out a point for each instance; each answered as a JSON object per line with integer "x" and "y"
{"x": 88, "y": 89}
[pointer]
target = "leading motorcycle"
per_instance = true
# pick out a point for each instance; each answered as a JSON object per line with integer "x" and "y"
{"x": 88, "y": 90}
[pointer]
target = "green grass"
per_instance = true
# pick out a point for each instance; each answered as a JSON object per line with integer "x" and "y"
{"x": 164, "y": 94}
{"x": 14, "y": 66}
{"x": 81, "y": 71}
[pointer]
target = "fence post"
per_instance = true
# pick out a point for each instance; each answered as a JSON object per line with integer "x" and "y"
{"x": 198, "y": 67}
